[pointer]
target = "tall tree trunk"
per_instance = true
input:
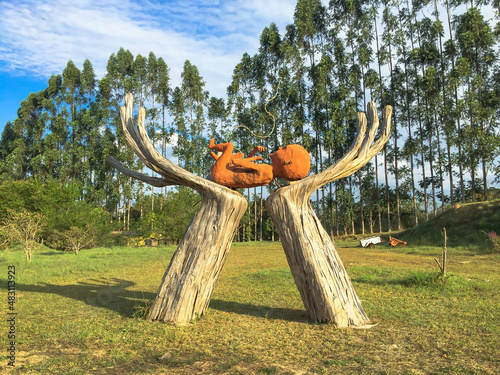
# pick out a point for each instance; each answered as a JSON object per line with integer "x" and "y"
{"x": 255, "y": 213}
{"x": 361, "y": 203}
{"x": 396, "y": 171}
{"x": 379, "y": 208}
{"x": 389, "y": 226}
{"x": 485, "y": 183}
{"x": 337, "y": 233}
{"x": 323, "y": 283}
{"x": 459, "y": 128}
{"x": 261, "y": 214}
{"x": 189, "y": 280}
{"x": 322, "y": 280}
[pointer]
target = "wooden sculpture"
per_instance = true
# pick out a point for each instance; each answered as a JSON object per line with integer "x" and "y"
{"x": 236, "y": 171}
{"x": 323, "y": 283}
{"x": 189, "y": 280}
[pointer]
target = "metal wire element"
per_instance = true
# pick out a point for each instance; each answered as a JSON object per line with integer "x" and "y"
{"x": 269, "y": 113}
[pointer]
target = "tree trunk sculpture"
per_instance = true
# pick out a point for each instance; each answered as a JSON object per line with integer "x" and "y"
{"x": 190, "y": 278}
{"x": 319, "y": 274}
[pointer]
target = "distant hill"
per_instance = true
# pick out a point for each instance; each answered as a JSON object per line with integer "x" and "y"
{"x": 465, "y": 226}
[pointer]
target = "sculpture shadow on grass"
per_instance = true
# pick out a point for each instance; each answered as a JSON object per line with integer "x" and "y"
{"x": 109, "y": 293}
{"x": 113, "y": 294}
{"x": 259, "y": 311}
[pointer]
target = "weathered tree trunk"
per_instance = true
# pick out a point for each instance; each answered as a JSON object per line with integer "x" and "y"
{"x": 189, "y": 280}
{"x": 323, "y": 283}
{"x": 319, "y": 274}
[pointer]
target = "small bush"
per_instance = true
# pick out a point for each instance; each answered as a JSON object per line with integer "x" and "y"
{"x": 495, "y": 241}
{"x": 73, "y": 239}
{"x": 23, "y": 227}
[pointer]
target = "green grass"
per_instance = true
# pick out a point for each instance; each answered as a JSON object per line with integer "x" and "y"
{"x": 78, "y": 314}
{"x": 465, "y": 227}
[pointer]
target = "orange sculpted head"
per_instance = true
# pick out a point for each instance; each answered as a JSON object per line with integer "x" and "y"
{"x": 291, "y": 162}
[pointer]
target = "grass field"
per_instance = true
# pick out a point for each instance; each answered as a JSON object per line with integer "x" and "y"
{"x": 80, "y": 314}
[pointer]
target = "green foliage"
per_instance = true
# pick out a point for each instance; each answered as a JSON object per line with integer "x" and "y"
{"x": 434, "y": 279}
{"x": 495, "y": 241}
{"x": 465, "y": 226}
{"x": 60, "y": 204}
{"x": 24, "y": 228}
{"x": 73, "y": 239}
{"x": 171, "y": 214}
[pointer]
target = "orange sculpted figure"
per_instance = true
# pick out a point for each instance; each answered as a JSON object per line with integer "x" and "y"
{"x": 291, "y": 162}
{"x": 236, "y": 171}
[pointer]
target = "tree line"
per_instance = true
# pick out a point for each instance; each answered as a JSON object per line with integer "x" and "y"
{"x": 434, "y": 62}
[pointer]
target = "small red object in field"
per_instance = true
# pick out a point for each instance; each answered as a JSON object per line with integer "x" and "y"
{"x": 395, "y": 242}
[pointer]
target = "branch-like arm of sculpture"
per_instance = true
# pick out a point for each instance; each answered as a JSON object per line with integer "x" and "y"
{"x": 137, "y": 138}
{"x": 362, "y": 150}
{"x": 157, "y": 182}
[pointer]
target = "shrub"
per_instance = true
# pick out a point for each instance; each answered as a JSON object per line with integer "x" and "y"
{"x": 62, "y": 207}
{"x": 73, "y": 239}
{"x": 495, "y": 240}
{"x": 171, "y": 216}
{"x": 23, "y": 227}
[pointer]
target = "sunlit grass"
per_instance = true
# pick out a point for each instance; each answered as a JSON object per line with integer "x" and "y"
{"x": 77, "y": 314}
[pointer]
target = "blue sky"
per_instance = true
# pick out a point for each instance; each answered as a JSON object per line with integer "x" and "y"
{"x": 38, "y": 37}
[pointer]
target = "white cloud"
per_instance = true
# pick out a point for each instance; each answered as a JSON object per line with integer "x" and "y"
{"x": 40, "y": 37}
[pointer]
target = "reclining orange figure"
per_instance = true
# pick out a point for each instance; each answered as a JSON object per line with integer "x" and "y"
{"x": 234, "y": 170}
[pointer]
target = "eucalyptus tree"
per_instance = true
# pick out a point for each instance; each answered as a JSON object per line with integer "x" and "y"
{"x": 341, "y": 109}
{"x": 163, "y": 97}
{"x": 294, "y": 90}
{"x": 364, "y": 60}
{"x": 140, "y": 77}
{"x": 446, "y": 104}
{"x": 451, "y": 51}
{"x": 8, "y": 142}
{"x": 415, "y": 79}
{"x": 140, "y": 84}
{"x": 310, "y": 23}
{"x": 109, "y": 147}
{"x": 377, "y": 95}
{"x": 59, "y": 130}
{"x": 428, "y": 58}
{"x": 191, "y": 101}
{"x": 120, "y": 77}
{"x": 88, "y": 83}
{"x": 390, "y": 23}
{"x": 345, "y": 17}
{"x": 272, "y": 71}
{"x": 475, "y": 41}
{"x": 71, "y": 85}
{"x": 90, "y": 136}
{"x": 406, "y": 97}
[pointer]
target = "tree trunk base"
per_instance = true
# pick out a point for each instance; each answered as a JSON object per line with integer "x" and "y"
{"x": 190, "y": 278}
{"x": 323, "y": 283}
